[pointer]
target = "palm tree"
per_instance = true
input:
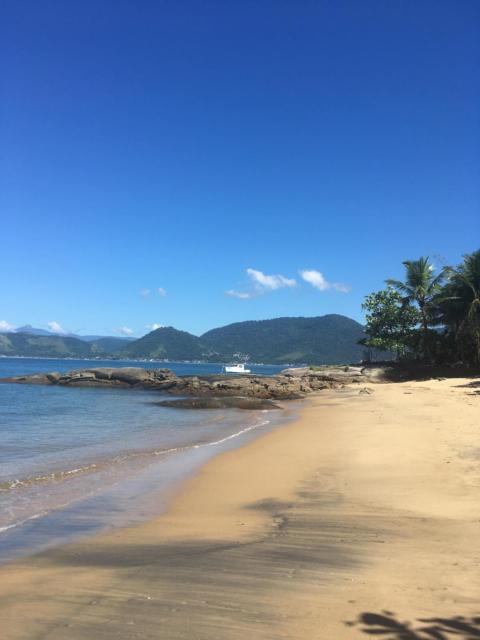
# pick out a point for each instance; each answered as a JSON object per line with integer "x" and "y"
{"x": 420, "y": 287}
{"x": 462, "y": 306}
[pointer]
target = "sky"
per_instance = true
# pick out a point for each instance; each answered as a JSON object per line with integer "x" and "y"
{"x": 195, "y": 163}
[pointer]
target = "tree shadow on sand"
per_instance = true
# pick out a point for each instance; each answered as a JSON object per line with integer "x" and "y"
{"x": 385, "y": 624}
{"x": 475, "y": 384}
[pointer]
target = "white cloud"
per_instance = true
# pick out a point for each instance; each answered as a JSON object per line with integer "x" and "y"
{"x": 239, "y": 294}
{"x": 154, "y": 326}
{"x": 144, "y": 293}
{"x": 124, "y": 331}
{"x": 55, "y": 327}
{"x": 261, "y": 284}
{"x": 318, "y": 280}
{"x": 6, "y": 326}
{"x": 270, "y": 283}
{"x": 162, "y": 292}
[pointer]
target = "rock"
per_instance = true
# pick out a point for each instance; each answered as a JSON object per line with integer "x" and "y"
{"x": 224, "y": 402}
{"x": 34, "y": 378}
{"x": 295, "y": 372}
{"x": 326, "y": 373}
{"x": 290, "y": 384}
{"x": 76, "y": 377}
{"x": 135, "y": 377}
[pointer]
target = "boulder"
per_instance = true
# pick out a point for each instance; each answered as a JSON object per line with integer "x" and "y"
{"x": 224, "y": 402}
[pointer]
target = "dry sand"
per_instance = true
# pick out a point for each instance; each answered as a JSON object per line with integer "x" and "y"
{"x": 369, "y": 503}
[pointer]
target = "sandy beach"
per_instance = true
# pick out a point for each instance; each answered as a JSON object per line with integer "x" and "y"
{"x": 360, "y": 517}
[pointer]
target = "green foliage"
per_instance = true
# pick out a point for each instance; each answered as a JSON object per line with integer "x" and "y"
{"x": 421, "y": 286}
{"x": 166, "y": 343}
{"x": 25, "y": 344}
{"x": 421, "y": 283}
{"x": 329, "y": 339}
{"x": 458, "y": 308}
{"x": 445, "y": 308}
{"x": 390, "y": 322}
{"x": 36, "y": 345}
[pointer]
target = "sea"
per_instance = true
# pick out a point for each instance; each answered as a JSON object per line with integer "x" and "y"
{"x": 75, "y": 461}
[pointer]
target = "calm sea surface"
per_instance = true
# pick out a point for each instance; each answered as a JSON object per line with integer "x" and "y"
{"x": 76, "y": 460}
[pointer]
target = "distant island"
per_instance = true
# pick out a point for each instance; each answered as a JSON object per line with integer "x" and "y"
{"x": 329, "y": 339}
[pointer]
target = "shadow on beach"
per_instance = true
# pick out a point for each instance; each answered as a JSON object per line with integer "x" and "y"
{"x": 208, "y": 588}
{"x": 387, "y": 626}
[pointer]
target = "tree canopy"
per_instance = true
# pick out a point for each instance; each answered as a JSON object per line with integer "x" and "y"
{"x": 432, "y": 316}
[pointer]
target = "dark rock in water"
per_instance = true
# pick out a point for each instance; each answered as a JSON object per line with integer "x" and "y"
{"x": 327, "y": 373}
{"x": 225, "y": 402}
{"x": 129, "y": 377}
{"x": 290, "y": 384}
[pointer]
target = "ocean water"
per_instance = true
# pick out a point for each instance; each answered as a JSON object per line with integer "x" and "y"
{"x": 76, "y": 460}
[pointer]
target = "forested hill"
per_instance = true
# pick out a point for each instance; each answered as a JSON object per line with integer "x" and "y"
{"x": 326, "y": 339}
{"x": 168, "y": 343}
{"x": 330, "y": 339}
{"x": 36, "y": 345}
{"x": 44, "y": 346}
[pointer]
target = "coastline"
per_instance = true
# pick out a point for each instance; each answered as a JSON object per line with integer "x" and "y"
{"x": 128, "y": 488}
{"x": 366, "y": 503}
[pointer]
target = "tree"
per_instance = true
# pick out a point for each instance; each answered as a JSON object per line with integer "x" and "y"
{"x": 421, "y": 287}
{"x": 390, "y": 322}
{"x": 459, "y": 303}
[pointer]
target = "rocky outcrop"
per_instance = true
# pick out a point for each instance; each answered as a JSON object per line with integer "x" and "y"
{"x": 289, "y": 384}
{"x": 338, "y": 374}
{"x": 128, "y": 377}
{"x": 226, "y": 402}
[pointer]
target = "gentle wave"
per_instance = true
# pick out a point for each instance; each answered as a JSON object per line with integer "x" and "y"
{"x": 56, "y": 476}
{"x": 17, "y": 524}
{"x": 233, "y": 435}
{"x": 60, "y": 476}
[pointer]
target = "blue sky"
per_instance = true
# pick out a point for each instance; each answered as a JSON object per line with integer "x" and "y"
{"x": 176, "y": 145}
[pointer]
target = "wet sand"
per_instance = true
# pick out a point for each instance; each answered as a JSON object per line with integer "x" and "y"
{"x": 368, "y": 505}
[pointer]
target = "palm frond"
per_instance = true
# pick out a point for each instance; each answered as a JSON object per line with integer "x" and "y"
{"x": 400, "y": 286}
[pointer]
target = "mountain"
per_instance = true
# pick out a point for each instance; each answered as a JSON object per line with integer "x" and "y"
{"x": 119, "y": 339}
{"x": 167, "y": 343}
{"x": 34, "y": 331}
{"x": 49, "y": 346}
{"x": 330, "y": 339}
{"x": 111, "y": 343}
{"x": 55, "y": 346}
{"x": 105, "y": 344}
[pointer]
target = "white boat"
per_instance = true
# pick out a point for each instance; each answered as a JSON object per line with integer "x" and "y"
{"x": 236, "y": 368}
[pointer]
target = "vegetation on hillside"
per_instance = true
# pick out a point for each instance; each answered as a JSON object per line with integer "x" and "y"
{"x": 431, "y": 316}
{"x": 166, "y": 343}
{"x": 329, "y": 339}
{"x": 39, "y": 346}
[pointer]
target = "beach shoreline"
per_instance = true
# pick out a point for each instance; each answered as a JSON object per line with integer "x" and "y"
{"x": 367, "y": 503}
{"x": 125, "y": 489}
